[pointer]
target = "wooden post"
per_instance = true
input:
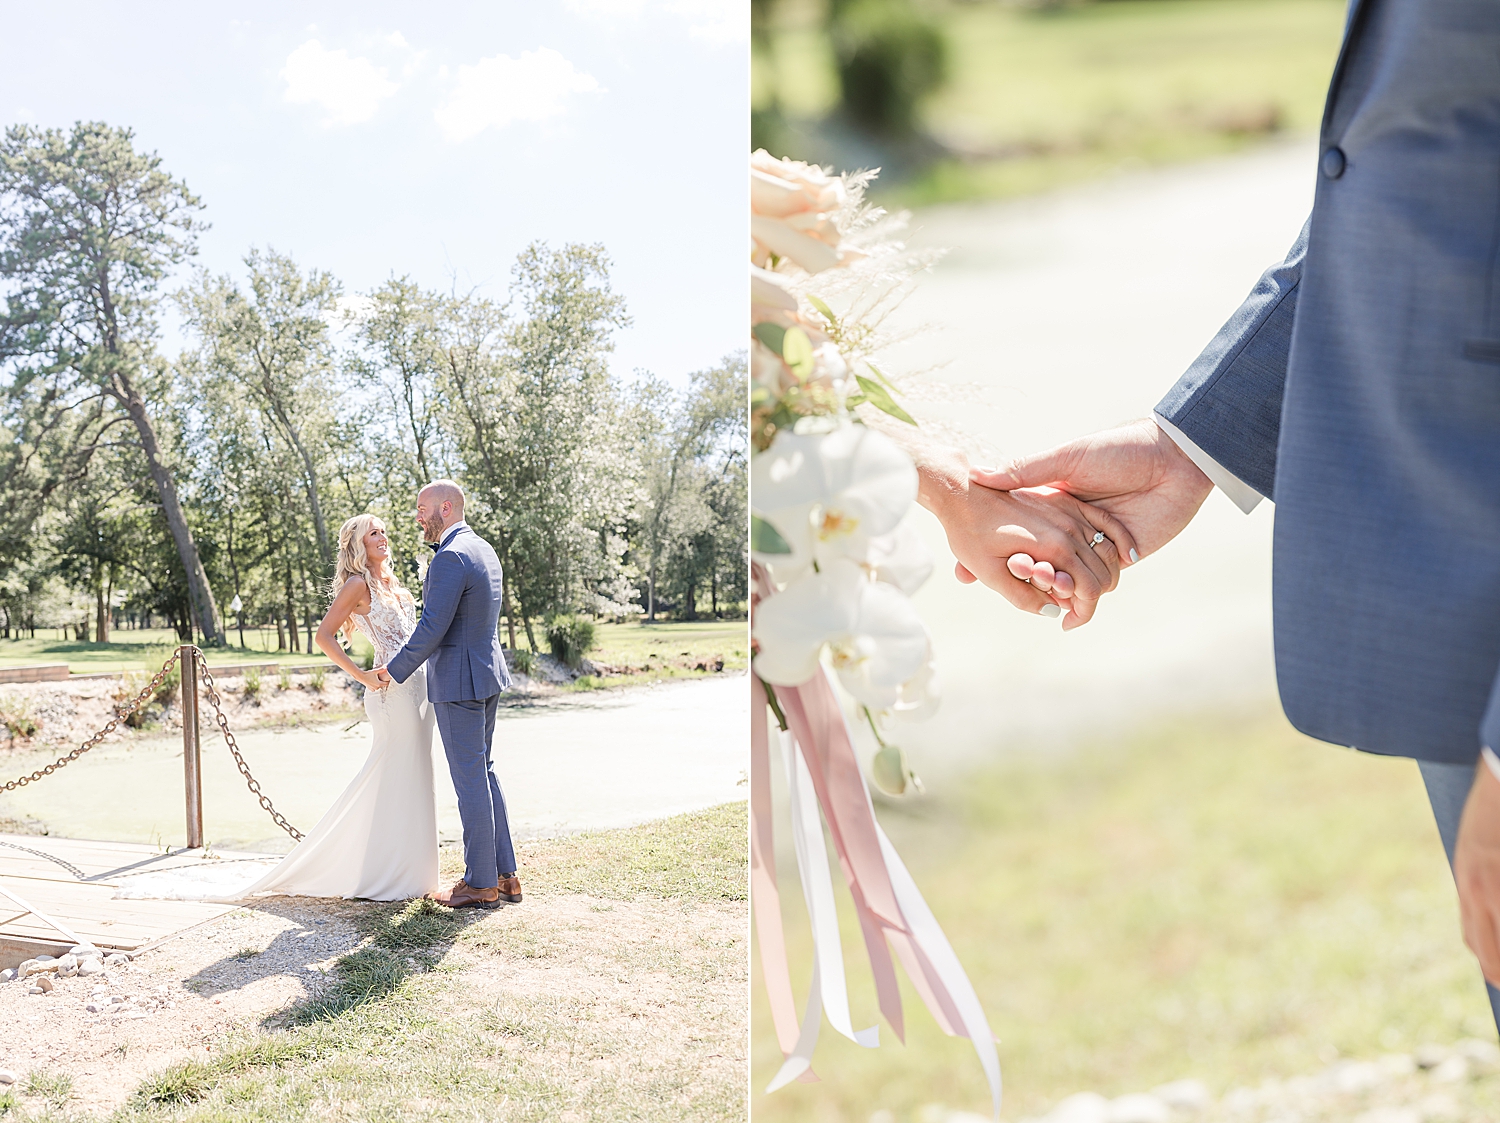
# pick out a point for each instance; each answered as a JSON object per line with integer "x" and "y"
{"x": 192, "y": 762}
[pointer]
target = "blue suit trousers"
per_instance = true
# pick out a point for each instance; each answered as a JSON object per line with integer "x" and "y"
{"x": 468, "y": 732}
{"x": 1447, "y": 789}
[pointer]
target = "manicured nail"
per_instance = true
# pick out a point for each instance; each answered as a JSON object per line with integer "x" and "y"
{"x": 1050, "y": 610}
{"x": 1134, "y": 557}
{"x": 981, "y": 469}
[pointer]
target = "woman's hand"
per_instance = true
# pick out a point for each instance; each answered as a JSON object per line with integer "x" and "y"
{"x": 370, "y": 680}
{"x": 1036, "y": 548}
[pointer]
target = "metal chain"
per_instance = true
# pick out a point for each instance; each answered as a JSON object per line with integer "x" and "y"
{"x": 213, "y": 700}
{"x": 109, "y": 727}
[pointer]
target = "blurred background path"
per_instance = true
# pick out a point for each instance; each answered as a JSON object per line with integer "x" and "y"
{"x": 584, "y": 762}
{"x": 1053, "y": 317}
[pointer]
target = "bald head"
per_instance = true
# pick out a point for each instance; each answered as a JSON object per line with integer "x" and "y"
{"x": 439, "y": 505}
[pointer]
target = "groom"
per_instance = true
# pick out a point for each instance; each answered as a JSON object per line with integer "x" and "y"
{"x": 465, "y": 675}
{"x": 1358, "y": 387}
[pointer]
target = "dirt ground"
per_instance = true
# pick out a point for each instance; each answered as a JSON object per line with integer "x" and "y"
{"x": 659, "y": 979}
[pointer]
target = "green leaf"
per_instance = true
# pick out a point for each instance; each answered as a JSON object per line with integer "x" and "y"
{"x": 765, "y": 538}
{"x": 771, "y": 335}
{"x": 826, "y": 311}
{"x": 880, "y": 375}
{"x": 797, "y": 353}
{"x": 881, "y": 399}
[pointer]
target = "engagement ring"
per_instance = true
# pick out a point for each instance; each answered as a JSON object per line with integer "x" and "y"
{"x": 1098, "y": 538}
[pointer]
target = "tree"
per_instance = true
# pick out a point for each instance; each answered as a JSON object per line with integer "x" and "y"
{"x": 89, "y": 227}
{"x": 675, "y": 437}
{"x": 275, "y": 343}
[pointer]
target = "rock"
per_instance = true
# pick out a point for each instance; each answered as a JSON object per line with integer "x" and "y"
{"x": 67, "y": 966}
{"x": 37, "y": 966}
{"x": 1484, "y": 1055}
{"x": 1350, "y": 1077}
{"x": 92, "y": 1007}
{"x": 1138, "y": 1107}
{"x": 1389, "y": 1115}
{"x": 1454, "y": 1070}
{"x": 7, "y": 975}
{"x": 7, "y": 1077}
{"x": 46, "y": 959}
{"x": 84, "y": 951}
{"x": 90, "y": 967}
{"x": 116, "y": 959}
{"x": 1430, "y": 1056}
{"x": 45, "y": 983}
{"x": 1084, "y": 1107}
{"x": 1184, "y": 1095}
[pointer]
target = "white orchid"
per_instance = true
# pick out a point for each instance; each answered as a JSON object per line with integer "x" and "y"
{"x": 828, "y": 495}
{"x": 875, "y": 638}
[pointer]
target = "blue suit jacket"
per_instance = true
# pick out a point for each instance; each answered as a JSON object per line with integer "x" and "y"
{"x": 458, "y": 635}
{"x": 1359, "y": 387}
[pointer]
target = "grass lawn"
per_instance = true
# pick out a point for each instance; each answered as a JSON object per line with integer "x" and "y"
{"x": 644, "y": 652}
{"x": 1037, "y": 98}
{"x": 1222, "y": 899}
{"x": 616, "y": 991}
{"x": 130, "y": 650}
{"x": 662, "y": 650}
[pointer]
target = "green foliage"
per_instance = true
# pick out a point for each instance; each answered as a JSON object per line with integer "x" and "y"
{"x": 15, "y": 716}
{"x": 524, "y": 660}
{"x": 319, "y": 678}
{"x": 422, "y": 923}
{"x": 167, "y": 689}
{"x": 367, "y": 975}
{"x": 54, "y": 1087}
{"x": 250, "y": 684}
{"x": 570, "y": 637}
{"x": 283, "y": 679}
{"x": 649, "y": 860}
{"x": 889, "y": 56}
{"x": 183, "y": 1083}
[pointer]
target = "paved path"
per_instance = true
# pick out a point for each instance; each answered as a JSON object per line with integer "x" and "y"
{"x": 1058, "y": 316}
{"x": 585, "y": 762}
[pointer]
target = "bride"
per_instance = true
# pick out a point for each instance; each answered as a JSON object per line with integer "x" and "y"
{"x": 379, "y": 839}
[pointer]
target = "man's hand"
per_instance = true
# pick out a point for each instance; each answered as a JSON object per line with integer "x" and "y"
{"x": 1135, "y": 472}
{"x": 383, "y": 677}
{"x": 1476, "y": 868}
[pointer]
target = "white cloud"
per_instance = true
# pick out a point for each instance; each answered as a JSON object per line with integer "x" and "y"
{"x": 715, "y": 21}
{"x": 497, "y": 91}
{"x": 348, "y": 89}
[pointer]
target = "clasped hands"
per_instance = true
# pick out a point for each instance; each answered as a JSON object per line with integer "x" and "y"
{"x": 377, "y": 679}
{"x": 1028, "y": 530}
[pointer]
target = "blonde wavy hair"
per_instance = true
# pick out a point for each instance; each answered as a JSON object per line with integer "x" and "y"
{"x": 352, "y": 561}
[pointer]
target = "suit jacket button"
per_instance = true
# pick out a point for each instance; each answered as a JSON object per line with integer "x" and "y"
{"x": 1333, "y": 163}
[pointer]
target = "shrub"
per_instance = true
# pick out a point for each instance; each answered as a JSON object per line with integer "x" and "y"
{"x": 319, "y": 678}
{"x": 167, "y": 691}
{"x": 889, "y": 56}
{"x": 570, "y": 637}
{"x": 15, "y": 715}
{"x": 284, "y": 679}
{"x": 524, "y": 660}
{"x": 251, "y": 684}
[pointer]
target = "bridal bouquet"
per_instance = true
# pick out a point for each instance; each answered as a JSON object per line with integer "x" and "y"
{"x": 834, "y": 569}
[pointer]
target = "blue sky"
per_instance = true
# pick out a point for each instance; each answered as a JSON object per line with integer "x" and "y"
{"x": 435, "y": 140}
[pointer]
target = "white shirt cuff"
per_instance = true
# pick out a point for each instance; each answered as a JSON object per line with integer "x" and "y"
{"x": 1491, "y": 760}
{"x": 1243, "y": 495}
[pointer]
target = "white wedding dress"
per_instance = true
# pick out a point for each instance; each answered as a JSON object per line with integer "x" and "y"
{"x": 379, "y": 839}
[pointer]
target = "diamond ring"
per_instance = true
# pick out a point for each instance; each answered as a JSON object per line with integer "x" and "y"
{"x": 1098, "y": 538}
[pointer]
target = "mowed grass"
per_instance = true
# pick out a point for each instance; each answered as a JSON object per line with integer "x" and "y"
{"x": 131, "y": 649}
{"x": 667, "y": 649}
{"x": 641, "y": 652}
{"x": 1038, "y": 98}
{"x": 403, "y": 1032}
{"x": 1221, "y": 899}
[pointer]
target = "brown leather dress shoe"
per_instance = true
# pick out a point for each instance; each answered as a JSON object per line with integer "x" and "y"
{"x": 465, "y": 896}
{"x": 510, "y": 890}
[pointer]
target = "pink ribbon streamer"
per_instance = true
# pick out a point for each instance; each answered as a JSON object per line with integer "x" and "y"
{"x": 877, "y": 879}
{"x": 763, "y": 888}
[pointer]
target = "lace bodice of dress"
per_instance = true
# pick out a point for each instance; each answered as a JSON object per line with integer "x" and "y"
{"x": 388, "y": 626}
